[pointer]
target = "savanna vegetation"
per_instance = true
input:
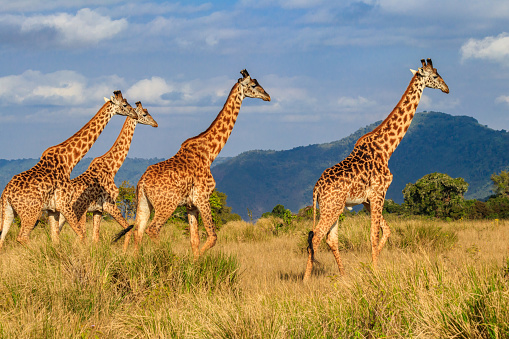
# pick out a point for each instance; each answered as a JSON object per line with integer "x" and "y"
{"x": 442, "y": 274}
{"x": 436, "y": 279}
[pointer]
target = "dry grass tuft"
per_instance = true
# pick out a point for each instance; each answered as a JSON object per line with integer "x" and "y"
{"x": 436, "y": 280}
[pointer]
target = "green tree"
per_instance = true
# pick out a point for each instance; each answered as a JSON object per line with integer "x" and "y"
{"x": 221, "y": 213}
{"x": 126, "y": 199}
{"x": 225, "y": 212}
{"x": 390, "y": 206}
{"x": 501, "y": 183}
{"x": 281, "y": 212}
{"x": 437, "y": 195}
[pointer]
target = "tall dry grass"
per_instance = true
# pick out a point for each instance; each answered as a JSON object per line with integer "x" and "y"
{"x": 436, "y": 280}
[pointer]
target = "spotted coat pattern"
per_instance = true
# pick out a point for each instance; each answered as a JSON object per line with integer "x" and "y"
{"x": 47, "y": 185}
{"x": 364, "y": 176}
{"x": 185, "y": 179}
{"x": 95, "y": 189}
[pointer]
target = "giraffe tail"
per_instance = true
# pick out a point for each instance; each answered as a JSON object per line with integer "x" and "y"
{"x": 311, "y": 250}
{"x": 121, "y": 234}
{"x": 310, "y": 245}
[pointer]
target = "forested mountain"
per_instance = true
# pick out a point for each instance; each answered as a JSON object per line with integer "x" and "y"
{"x": 435, "y": 142}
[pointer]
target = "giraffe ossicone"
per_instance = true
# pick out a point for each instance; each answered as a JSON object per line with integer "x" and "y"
{"x": 364, "y": 176}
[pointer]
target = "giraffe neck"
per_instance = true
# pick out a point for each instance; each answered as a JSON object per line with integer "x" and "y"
{"x": 68, "y": 153}
{"x": 214, "y": 138}
{"x": 389, "y": 133}
{"x": 111, "y": 161}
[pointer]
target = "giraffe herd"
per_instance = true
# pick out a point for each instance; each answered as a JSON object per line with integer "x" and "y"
{"x": 185, "y": 179}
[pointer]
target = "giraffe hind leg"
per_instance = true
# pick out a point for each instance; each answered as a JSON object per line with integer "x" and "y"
{"x": 327, "y": 219}
{"x": 192, "y": 216}
{"x": 6, "y": 221}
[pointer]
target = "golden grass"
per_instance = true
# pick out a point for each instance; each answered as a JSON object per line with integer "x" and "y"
{"x": 436, "y": 280}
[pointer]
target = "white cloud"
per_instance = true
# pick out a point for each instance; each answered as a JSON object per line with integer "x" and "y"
{"x": 196, "y": 32}
{"x": 152, "y": 8}
{"x": 502, "y": 99}
{"x": 61, "y": 88}
{"x": 151, "y": 91}
{"x": 85, "y": 28}
{"x": 38, "y": 5}
{"x": 354, "y": 104}
{"x": 198, "y": 92}
{"x": 288, "y": 4}
{"x": 489, "y": 48}
{"x": 452, "y": 9}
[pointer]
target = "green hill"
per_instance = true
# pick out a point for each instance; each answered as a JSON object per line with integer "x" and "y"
{"x": 435, "y": 142}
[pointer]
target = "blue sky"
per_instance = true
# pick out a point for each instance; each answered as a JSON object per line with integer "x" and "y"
{"x": 330, "y": 67}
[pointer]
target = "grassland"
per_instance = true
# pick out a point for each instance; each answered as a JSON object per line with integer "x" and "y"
{"x": 436, "y": 280}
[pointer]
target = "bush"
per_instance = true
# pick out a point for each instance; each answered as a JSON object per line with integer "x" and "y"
{"x": 437, "y": 195}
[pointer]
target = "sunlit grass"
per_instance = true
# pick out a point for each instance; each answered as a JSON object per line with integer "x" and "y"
{"x": 436, "y": 280}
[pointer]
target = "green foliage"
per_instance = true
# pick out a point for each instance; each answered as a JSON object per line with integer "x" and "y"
{"x": 436, "y": 195}
{"x": 501, "y": 183}
{"x": 280, "y": 211}
{"x": 498, "y": 207}
{"x": 221, "y": 213}
{"x": 392, "y": 207}
{"x": 126, "y": 199}
{"x": 306, "y": 213}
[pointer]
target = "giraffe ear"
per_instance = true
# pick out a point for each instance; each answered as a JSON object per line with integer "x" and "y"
{"x": 106, "y": 99}
{"x": 413, "y": 71}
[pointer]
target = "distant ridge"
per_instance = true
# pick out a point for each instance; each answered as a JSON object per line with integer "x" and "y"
{"x": 259, "y": 180}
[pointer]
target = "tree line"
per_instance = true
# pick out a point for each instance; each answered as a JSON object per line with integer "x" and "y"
{"x": 435, "y": 195}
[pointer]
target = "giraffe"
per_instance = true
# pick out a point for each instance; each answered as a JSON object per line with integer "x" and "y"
{"x": 95, "y": 190}
{"x": 47, "y": 185}
{"x": 185, "y": 179}
{"x": 364, "y": 176}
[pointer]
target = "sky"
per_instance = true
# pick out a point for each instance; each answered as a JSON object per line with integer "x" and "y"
{"x": 330, "y": 67}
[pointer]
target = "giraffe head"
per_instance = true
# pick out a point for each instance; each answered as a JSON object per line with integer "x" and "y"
{"x": 251, "y": 87}
{"x": 143, "y": 116}
{"x": 431, "y": 77}
{"x": 120, "y": 105}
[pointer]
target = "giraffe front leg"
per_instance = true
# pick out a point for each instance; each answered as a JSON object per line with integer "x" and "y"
{"x": 386, "y": 233}
{"x": 54, "y": 220}
{"x": 97, "y": 217}
{"x": 206, "y": 215}
{"x": 73, "y": 222}
{"x": 192, "y": 217}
